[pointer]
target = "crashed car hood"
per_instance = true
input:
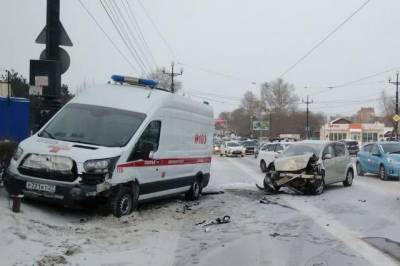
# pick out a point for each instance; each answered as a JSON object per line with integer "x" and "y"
{"x": 292, "y": 163}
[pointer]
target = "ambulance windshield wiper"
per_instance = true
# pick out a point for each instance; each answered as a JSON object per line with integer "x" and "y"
{"x": 80, "y": 141}
{"x": 49, "y": 135}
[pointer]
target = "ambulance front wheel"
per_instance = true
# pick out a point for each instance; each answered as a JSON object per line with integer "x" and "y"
{"x": 195, "y": 190}
{"x": 124, "y": 200}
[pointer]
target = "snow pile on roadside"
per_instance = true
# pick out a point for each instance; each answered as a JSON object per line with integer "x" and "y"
{"x": 53, "y": 235}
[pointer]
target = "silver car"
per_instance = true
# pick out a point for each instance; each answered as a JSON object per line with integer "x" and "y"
{"x": 308, "y": 166}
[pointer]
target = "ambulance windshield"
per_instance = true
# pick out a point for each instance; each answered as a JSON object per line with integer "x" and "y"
{"x": 96, "y": 125}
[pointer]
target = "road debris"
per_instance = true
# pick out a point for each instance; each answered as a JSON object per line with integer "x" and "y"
{"x": 51, "y": 260}
{"x": 72, "y": 249}
{"x": 204, "y": 193}
{"x": 267, "y": 201}
{"x": 186, "y": 207}
{"x": 275, "y": 234}
{"x": 362, "y": 200}
{"x": 224, "y": 220}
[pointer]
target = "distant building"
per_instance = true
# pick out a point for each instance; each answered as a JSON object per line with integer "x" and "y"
{"x": 342, "y": 128}
{"x": 3, "y": 89}
{"x": 365, "y": 115}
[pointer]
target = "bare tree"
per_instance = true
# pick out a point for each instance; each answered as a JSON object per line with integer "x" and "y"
{"x": 251, "y": 104}
{"x": 279, "y": 96}
{"x": 164, "y": 80}
{"x": 388, "y": 105}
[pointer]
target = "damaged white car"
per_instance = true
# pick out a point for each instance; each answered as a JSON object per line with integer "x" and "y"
{"x": 308, "y": 166}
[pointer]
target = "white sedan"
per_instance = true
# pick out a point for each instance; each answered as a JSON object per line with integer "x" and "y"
{"x": 269, "y": 152}
{"x": 232, "y": 148}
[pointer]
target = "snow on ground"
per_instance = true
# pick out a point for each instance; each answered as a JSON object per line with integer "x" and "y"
{"x": 285, "y": 231}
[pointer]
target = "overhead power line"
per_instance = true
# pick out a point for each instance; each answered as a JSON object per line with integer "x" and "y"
{"x": 345, "y": 84}
{"x": 355, "y": 81}
{"x": 158, "y": 31}
{"x": 131, "y": 36}
{"x": 113, "y": 18}
{"x": 218, "y": 73}
{"x": 324, "y": 39}
{"x": 345, "y": 104}
{"x": 108, "y": 37}
{"x": 141, "y": 35}
{"x": 214, "y": 100}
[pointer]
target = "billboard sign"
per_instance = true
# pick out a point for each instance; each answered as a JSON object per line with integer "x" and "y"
{"x": 260, "y": 125}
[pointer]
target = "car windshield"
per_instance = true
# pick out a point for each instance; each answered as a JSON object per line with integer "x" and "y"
{"x": 232, "y": 144}
{"x": 302, "y": 148}
{"x": 250, "y": 143}
{"x": 94, "y": 125}
{"x": 391, "y": 147}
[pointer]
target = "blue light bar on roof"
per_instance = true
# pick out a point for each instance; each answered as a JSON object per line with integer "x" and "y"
{"x": 134, "y": 81}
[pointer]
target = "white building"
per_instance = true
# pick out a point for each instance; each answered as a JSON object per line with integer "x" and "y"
{"x": 342, "y": 128}
{"x": 3, "y": 89}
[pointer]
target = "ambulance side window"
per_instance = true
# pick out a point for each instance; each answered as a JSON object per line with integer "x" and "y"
{"x": 147, "y": 142}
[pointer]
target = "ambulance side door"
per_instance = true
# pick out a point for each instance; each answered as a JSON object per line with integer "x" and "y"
{"x": 148, "y": 170}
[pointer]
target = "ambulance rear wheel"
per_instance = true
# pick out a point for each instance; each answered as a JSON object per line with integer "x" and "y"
{"x": 195, "y": 190}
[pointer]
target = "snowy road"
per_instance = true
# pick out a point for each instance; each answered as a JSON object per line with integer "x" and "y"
{"x": 331, "y": 229}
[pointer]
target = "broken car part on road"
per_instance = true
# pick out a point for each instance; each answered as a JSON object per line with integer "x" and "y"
{"x": 224, "y": 220}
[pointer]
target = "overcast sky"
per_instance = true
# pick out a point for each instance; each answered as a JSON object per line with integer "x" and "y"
{"x": 254, "y": 40}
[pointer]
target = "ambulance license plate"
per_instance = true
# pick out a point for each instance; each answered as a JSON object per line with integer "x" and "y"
{"x": 41, "y": 187}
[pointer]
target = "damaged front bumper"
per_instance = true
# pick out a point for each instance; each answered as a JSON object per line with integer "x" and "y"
{"x": 37, "y": 187}
{"x": 285, "y": 178}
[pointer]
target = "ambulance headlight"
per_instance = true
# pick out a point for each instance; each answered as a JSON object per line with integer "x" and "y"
{"x": 100, "y": 166}
{"x": 18, "y": 153}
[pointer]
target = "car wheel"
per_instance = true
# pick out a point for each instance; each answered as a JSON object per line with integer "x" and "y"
{"x": 318, "y": 187}
{"x": 221, "y": 154}
{"x": 122, "y": 201}
{"x": 382, "y": 173}
{"x": 359, "y": 169}
{"x": 349, "y": 178}
{"x": 269, "y": 184}
{"x": 195, "y": 190}
{"x": 263, "y": 166}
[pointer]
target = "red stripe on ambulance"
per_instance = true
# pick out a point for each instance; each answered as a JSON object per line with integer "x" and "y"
{"x": 163, "y": 162}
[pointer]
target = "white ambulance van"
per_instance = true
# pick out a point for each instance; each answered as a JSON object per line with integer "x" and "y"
{"x": 119, "y": 143}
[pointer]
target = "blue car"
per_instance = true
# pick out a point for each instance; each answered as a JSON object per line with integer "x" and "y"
{"x": 381, "y": 158}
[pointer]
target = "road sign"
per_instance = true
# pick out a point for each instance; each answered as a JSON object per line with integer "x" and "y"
{"x": 35, "y": 90}
{"x": 64, "y": 38}
{"x": 396, "y": 118}
{"x": 64, "y": 59}
{"x": 41, "y": 81}
{"x": 260, "y": 125}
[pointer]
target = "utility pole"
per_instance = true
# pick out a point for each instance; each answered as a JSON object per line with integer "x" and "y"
{"x": 8, "y": 85}
{"x": 46, "y": 72}
{"x": 173, "y": 75}
{"x": 270, "y": 124}
{"x": 396, "y": 126}
{"x": 308, "y": 102}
